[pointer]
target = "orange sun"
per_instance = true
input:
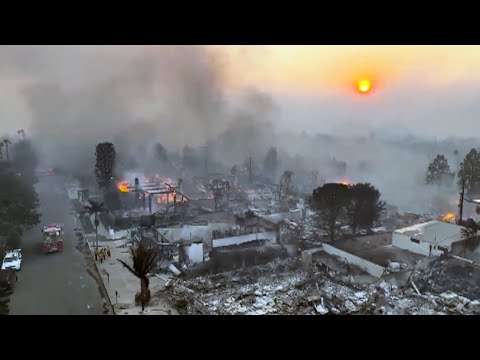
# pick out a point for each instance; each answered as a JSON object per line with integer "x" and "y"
{"x": 364, "y": 86}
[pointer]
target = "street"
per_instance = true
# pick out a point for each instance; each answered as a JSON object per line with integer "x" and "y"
{"x": 57, "y": 283}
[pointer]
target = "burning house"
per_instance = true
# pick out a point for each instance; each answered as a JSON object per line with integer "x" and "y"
{"x": 158, "y": 197}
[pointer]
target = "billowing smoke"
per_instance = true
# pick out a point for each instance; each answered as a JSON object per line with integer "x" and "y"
{"x": 134, "y": 96}
{"x": 69, "y": 98}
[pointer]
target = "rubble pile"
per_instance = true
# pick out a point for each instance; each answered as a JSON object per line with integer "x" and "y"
{"x": 442, "y": 275}
{"x": 285, "y": 287}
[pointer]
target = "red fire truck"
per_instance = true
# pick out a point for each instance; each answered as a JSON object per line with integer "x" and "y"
{"x": 52, "y": 238}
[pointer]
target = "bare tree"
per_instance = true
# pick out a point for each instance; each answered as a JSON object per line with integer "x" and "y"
{"x": 143, "y": 262}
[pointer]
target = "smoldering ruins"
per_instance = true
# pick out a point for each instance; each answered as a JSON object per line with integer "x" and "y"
{"x": 205, "y": 178}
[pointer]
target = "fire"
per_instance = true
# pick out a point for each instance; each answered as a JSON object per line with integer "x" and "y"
{"x": 167, "y": 198}
{"x": 450, "y": 217}
{"x": 344, "y": 182}
{"x": 123, "y": 186}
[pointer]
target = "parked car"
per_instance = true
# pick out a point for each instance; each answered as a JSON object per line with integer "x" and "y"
{"x": 8, "y": 278}
{"x": 12, "y": 260}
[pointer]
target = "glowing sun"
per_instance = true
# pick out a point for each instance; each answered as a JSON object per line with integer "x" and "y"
{"x": 364, "y": 86}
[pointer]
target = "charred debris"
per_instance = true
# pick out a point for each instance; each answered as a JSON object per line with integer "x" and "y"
{"x": 238, "y": 245}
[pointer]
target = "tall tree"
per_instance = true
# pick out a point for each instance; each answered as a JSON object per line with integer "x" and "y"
{"x": 189, "y": 159}
{"x": 286, "y": 186}
{"x": 330, "y": 202}
{"x": 6, "y": 142}
{"x": 438, "y": 171}
{"x": 455, "y": 154}
{"x": 96, "y": 209}
{"x": 365, "y": 206}
{"x": 470, "y": 172}
{"x": 271, "y": 163}
{"x": 24, "y": 159}
{"x": 144, "y": 260}
{"x": 105, "y": 162}
{"x": 18, "y": 207}
{"x": 161, "y": 153}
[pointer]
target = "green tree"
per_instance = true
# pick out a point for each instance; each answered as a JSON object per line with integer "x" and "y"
{"x": 365, "y": 206}
{"x": 105, "y": 162}
{"x": 18, "y": 208}
{"x": 271, "y": 162}
{"x": 96, "y": 209}
{"x": 330, "y": 201}
{"x": 144, "y": 260}
{"x": 438, "y": 171}
{"x": 470, "y": 172}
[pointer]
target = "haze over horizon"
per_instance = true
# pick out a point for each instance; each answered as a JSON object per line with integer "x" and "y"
{"x": 415, "y": 89}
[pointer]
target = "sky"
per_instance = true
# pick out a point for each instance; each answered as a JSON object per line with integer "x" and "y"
{"x": 416, "y": 89}
{"x": 245, "y": 99}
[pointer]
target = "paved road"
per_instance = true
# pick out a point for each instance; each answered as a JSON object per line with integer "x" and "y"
{"x": 57, "y": 283}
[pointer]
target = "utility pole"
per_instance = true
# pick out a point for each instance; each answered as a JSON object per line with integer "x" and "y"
{"x": 460, "y": 204}
{"x": 250, "y": 173}
{"x": 206, "y": 147}
{"x": 206, "y": 164}
{"x": 314, "y": 179}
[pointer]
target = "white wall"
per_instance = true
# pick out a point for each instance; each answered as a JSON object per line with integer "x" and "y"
{"x": 193, "y": 232}
{"x": 369, "y": 267}
{"x": 195, "y": 252}
{"x": 237, "y": 240}
{"x": 404, "y": 242}
{"x": 423, "y": 248}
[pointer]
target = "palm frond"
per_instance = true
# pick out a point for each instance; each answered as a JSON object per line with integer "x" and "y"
{"x": 129, "y": 268}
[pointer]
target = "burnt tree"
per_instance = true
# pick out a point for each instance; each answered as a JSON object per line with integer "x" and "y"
{"x": 144, "y": 260}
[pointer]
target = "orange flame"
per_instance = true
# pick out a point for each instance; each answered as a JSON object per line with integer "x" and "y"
{"x": 450, "y": 217}
{"x": 123, "y": 186}
{"x": 344, "y": 182}
{"x": 166, "y": 198}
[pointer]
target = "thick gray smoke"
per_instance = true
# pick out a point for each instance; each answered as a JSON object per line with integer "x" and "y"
{"x": 135, "y": 96}
{"x": 69, "y": 98}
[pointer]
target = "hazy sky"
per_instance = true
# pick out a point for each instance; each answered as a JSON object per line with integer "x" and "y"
{"x": 418, "y": 89}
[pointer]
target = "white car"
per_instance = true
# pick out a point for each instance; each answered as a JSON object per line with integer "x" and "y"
{"x": 12, "y": 260}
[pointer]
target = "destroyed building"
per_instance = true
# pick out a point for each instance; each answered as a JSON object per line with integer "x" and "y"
{"x": 432, "y": 238}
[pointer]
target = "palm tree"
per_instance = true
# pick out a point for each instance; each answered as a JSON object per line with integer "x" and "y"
{"x": 6, "y": 142}
{"x": 96, "y": 208}
{"x": 143, "y": 262}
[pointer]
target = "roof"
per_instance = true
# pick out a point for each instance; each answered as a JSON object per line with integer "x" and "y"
{"x": 435, "y": 232}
